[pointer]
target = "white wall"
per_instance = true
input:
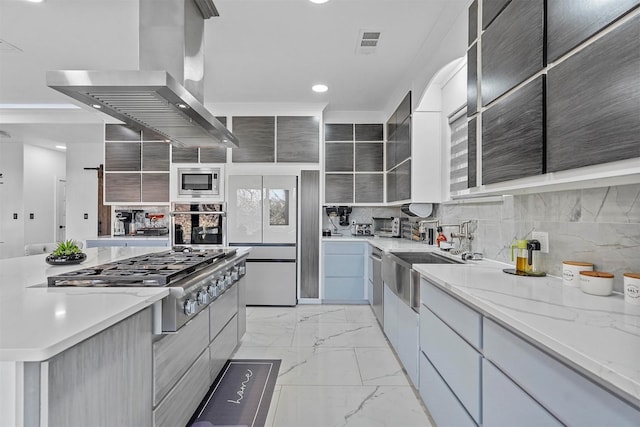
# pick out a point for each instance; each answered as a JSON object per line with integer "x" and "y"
{"x": 11, "y": 230}
{"x": 82, "y": 187}
{"x": 42, "y": 167}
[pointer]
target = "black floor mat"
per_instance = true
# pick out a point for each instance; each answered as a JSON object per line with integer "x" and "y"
{"x": 240, "y": 396}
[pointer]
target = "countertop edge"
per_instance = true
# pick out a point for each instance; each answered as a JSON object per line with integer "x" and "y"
{"x": 45, "y": 353}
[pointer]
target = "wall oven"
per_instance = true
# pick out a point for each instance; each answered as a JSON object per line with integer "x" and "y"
{"x": 198, "y": 225}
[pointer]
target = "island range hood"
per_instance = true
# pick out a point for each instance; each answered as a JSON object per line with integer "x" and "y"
{"x": 167, "y": 94}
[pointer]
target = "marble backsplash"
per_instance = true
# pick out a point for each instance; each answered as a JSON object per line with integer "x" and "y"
{"x": 598, "y": 225}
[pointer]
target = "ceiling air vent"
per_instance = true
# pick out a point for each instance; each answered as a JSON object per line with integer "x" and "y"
{"x": 367, "y": 42}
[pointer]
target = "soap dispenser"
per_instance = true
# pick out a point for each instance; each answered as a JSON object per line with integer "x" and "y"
{"x": 534, "y": 259}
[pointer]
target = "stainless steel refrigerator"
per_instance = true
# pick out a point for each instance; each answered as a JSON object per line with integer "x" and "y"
{"x": 262, "y": 213}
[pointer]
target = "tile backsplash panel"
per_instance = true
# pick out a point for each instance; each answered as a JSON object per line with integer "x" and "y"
{"x": 598, "y": 225}
{"x": 360, "y": 215}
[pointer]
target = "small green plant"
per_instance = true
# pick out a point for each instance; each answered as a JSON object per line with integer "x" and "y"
{"x": 68, "y": 247}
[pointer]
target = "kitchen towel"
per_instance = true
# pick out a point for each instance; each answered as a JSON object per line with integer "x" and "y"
{"x": 240, "y": 396}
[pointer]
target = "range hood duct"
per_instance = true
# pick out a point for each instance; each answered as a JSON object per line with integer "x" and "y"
{"x": 167, "y": 94}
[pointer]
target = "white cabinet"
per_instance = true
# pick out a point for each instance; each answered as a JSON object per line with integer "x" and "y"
{"x": 426, "y": 154}
{"x": 504, "y": 404}
{"x": 344, "y": 271}
{"x": 401, "y": 328}
{"x": 572, "y": 398}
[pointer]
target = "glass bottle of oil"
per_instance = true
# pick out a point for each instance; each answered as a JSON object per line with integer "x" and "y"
{"x": 519, "y": 254}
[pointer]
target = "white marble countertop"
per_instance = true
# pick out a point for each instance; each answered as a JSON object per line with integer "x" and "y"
{"x": 127, "y": 237}
{"x": 386, "y": 244}
{"x": 599, "y": 336}
{"x": 37, "y": 322}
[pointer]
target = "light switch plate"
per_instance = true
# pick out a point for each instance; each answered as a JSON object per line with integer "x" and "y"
{"x": 543, "y": 238}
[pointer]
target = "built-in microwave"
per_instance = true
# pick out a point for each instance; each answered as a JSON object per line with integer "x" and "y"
{"x": 199, "y": 182}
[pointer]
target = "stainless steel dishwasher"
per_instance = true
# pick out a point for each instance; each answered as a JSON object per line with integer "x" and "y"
{"x": 378, "y": 291}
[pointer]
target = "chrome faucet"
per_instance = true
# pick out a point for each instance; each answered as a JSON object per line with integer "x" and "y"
{"x": 463, "y": 231}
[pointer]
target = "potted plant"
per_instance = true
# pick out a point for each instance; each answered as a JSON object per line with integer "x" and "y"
{"x": 67, "y": 252}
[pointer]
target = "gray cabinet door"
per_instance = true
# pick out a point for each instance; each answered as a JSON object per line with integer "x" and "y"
{"x": 184, "y": 154}
{"x": 338, "y": 157}
{"x": 569, "y": 23}
{"x": 213, "y": 155}
{"x": 369, "y": 157}
{"x": 513, "y": 135}
{"x": 121, "y": 187}
{"x": 121, "y": 133}
{"x": 298, "y": 139}
{"x": 338, "y": 132}
{"x": 512, "y": 48}
{"x": 472, "y": 153}
{"x": 473, "y": 22}
{"x": 257, "y": 139}
{"x": 369, "y": 188}
{"x": 155, "y": 156}
{"x": 472, "y": 80}
{"x": 491, "y": 9}
{"x": 593, "y": 102}
{"x": 392, "y": 189}
{"x": 403, "y": 140}
{"x": 122, "y": 156}
{"x": 338, "y": 188}
{"x": 369, "y": 132}
{"x": 155, "y": 187}
{"x": 403, "y": 181}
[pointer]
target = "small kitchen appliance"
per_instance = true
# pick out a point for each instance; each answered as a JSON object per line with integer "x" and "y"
{"x": 387, "y": 227}
{"x": 527, "y": 256}
{"x": 198, "y": 182}
{"x": 361, "y": 229}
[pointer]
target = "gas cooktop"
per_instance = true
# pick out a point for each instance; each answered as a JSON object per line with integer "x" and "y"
{"x": 156, "y": 269}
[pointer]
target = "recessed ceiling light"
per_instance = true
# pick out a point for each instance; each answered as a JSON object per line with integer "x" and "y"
{"x": 320, "y": 88}
{"x": 183, "y": 106}
{"x": 61, "y": 147}
{"x": 318, "y": 1}
{"x": 35, "y": 1}
{"x": 96, "y": 106}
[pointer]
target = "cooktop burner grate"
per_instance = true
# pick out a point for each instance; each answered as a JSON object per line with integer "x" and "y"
{"x": 159, "y": 269}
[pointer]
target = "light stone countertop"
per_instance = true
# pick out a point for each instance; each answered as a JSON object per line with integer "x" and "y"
{"x": 38, "y": 322}
{"x": 598, "y": 336}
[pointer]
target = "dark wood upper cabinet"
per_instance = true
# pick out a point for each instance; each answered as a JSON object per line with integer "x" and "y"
{"x": 472, "y": 153}
{"x": 122, "y": 156}
{"x": 512, "y": 48}
{"x": 155, "y": 187}
{"x": 473, "y": 22}
{"x": 338, "y": 157}
{"x": 369, "y": 132}
{"x": 491, "y": 9}
{"x": 338, "y": 188}
{"x": 184, "y": 154}
{"x": 338, "y": 132}
{"x": 404, "y": 109}
{"x": 122, "y": 187}
{"x": 257, "y": 139}
{"x": 570, "y": 22}
{"x": 213, "y": 155}
{"x": 121, "y": 133}
{"x": 369, "y": 157}
{"x": 513, "y": 135}
{"x": 298, "y": 139}
{"x": 369, "y": 188}
{"x": 155, "y": 156}
{"x": 593, "y": 102}
{"x": 472, "y": 80}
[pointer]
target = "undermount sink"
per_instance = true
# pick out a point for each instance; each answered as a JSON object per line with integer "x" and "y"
{"x": 424, "y": 258}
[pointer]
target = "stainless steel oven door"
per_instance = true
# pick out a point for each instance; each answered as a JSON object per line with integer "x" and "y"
{"x": 198, "y": 225}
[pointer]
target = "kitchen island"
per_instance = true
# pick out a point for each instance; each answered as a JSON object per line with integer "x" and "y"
{"x": 87, "y": 354}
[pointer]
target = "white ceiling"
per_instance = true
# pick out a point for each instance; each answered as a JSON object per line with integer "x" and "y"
{"x": 257, "y": 51}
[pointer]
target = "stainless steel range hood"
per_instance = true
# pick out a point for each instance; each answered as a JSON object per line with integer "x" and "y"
{"x": 166, "y": 94}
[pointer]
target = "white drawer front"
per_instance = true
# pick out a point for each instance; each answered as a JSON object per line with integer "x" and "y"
{"x": 223, "y": 309}
{"x": 573, "y": 399}
{"x": 442, "y": 404}
{"x": 173, "y": 354}
{"x": 456, "y": 361}
{"x": 504, "y": 404}
{"x": 463, "y": 319}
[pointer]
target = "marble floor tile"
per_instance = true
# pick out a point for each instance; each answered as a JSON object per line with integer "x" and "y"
{"x": 379, "y": 366}
{"x": 360, "y": 314}
{"x": 339, "y": 335}
{"x": 366, "y": 406}
{"x": 268, "y": 334}
{"x": 271, "y": 314}
{"x": 275, "y": 397}
{"x": 321, "y": 314}
{"x": 309, "y": 365}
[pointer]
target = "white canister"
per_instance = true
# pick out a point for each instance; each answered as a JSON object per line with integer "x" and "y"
{"x": 632, "y": 288}
{"x": 596, "y": 282}
{"x": 571, "y": 271}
